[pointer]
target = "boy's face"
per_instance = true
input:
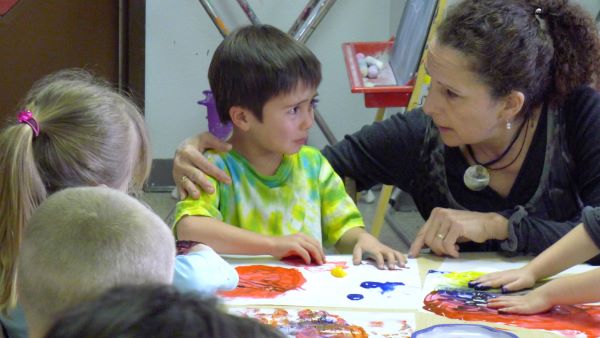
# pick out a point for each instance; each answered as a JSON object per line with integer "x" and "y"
{"x": 286, "y": 121}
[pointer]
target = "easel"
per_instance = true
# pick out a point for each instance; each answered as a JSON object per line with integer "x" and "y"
{"x": 301, "y": 30}
{"x": 390, "y": 96}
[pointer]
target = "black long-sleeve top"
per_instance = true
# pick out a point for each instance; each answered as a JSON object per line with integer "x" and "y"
{"x": 560, "y": 174}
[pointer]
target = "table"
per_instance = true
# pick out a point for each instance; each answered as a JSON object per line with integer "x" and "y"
{"x": 386, "y": 311}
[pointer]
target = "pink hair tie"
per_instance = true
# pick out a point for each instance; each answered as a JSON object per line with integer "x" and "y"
{"x": 26, "y": 116}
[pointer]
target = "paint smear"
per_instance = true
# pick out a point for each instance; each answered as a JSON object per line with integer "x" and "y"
{"x": 327, "y": 266}
{"x": 308, "y": 323}
{"x": 355, "y": 296}
{"x": 263, "y": 281}
{"x": 455, "y": 300}
{"x": 385, "y": 287}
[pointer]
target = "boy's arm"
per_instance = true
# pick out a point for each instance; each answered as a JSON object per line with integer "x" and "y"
{"x": 343, "y": 225}
{"x": 228, "y": 239}
{"x": 577, "y": 289}
{"x": 574, "y": 248}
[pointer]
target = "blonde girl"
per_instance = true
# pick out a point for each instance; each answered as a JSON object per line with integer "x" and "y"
{"x": 73, "y": 130}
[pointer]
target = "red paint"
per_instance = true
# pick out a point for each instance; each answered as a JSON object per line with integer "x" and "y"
{"x": 308, "y": 323}
{"x": 262, "y": 281}
{"x": 6, "y": 5}
{"x": 327, "y": 266}
{"x": 566, "y": 318}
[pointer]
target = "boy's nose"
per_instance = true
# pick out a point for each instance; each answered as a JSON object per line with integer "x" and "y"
{"x": 309, "y": 119}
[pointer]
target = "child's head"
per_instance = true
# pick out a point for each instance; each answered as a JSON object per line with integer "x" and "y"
{"x": 154, "y": 311}
{"x": 73, "y": 130}
{"x": 256, "y": 63}
{"x": 82, "y": 241}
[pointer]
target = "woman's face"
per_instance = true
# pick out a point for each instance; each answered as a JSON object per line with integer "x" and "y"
{"x": 458, "y": 102}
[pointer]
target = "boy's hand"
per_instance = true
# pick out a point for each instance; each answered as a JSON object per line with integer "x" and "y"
{"x": 531, "y": 303}
{"x": 509, "y": 280}
{"x": 380, "y": 253}
{"x": 301, "y": 245}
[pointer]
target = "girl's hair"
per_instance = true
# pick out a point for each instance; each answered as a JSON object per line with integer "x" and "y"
{"x": 542, "y": 48}
{"x": 88, "y": 135}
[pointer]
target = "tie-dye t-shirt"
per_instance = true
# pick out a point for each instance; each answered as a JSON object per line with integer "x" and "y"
{"x": 305, "y": 195}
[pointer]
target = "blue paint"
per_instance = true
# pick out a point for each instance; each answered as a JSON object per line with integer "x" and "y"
{"x": 355, "y": 296}
{"x": 468, "y": 297}
{"x": 385, "y": 287}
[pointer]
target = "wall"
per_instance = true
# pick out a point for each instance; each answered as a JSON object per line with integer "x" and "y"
{"x": 181, "y": 38}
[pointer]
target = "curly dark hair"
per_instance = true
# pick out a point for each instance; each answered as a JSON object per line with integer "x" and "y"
{"x": 542, "y": 48}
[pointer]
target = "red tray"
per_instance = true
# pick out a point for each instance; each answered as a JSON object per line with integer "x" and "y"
{"x": 388, "y": 95}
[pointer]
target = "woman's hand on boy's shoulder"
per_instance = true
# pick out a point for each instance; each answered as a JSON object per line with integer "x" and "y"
{"x": 190, "y": 166}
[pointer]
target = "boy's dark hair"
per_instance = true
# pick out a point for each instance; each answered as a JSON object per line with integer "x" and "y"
{"x": 254, "y": 64}
{"x": 154, "y": 311}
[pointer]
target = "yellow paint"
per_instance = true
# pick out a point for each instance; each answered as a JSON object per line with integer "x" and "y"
{"x": 338, "y": 272}
{"x": 462, "y": 279}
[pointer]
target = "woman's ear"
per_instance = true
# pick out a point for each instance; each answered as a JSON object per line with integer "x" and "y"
{"x": 240, "y": 117}
{"x": 513, "y": 104}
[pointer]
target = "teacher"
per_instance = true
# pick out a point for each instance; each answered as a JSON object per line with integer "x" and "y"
{"x": 505, "y": 152}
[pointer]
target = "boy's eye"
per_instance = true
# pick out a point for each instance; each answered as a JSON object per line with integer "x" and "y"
{"x": 294, "y": 110}
{"x": 314, "y": 102}
{"x": 451, "y": 94}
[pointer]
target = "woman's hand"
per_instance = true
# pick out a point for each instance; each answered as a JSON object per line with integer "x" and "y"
{"x": 445, "y": 228}
{"x": 190, "y": 166}
{"x": 509, "y": 280}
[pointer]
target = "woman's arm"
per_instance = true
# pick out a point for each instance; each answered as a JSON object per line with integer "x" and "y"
{"x": 383, "y": 152}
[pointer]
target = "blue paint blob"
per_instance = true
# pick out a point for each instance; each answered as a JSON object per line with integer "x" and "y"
{"x": 355, "y": 296}
{"x": 385, "y": 287}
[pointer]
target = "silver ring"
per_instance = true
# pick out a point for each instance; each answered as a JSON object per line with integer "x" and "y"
{"x": 183, "y": 179}
{"x": 440, "y": 236}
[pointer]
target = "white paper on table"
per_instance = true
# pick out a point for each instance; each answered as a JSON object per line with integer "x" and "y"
{"x": 393, "y": 289}
{"x": 312, "y": 322}
{"x": 446, "y": 293}
{"x": 500, "y": 264}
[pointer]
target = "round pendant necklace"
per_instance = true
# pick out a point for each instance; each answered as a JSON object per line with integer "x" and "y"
{"x": 477, "y": 176}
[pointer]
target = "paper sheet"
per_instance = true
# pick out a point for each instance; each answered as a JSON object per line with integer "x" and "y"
{"x": 333, "y": 323}
{"x": 446, "y": 293}
{"x": 268, "y": 282}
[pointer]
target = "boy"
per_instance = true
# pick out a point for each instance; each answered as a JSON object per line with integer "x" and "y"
{"x": 285, "y": 197}
{"x": 82, "y": 241}
{"x": 576, "y": 247}
{"x": 154, "y": 311}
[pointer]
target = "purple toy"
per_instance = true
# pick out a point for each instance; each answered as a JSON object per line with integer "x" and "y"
{"x": 215, "y": 126}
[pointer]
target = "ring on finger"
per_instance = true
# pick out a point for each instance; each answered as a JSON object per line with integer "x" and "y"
{"x": 183, "y": 179}
{"x": 440, "y": 236}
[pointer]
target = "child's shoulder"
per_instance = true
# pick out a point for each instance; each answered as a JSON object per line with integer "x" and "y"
{"x": 310, "y": 152}
{"x": 220, "y": 159}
